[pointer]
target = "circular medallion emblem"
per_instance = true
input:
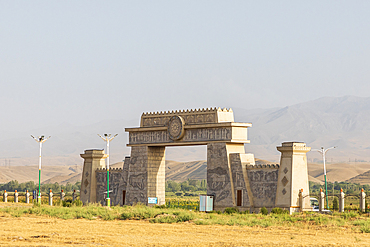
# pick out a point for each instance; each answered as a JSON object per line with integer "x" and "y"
{"x": 176, "y": 128}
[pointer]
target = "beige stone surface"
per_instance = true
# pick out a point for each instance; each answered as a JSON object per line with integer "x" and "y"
{"x": 197, "y": 116}
{"x": 194, "y": 135}
{"x": 293, "y": 176}
{"x": 93, "y": 160}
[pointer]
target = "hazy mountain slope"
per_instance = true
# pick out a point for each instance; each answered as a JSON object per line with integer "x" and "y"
{"x": 181, "y": 171}
{"x": 329, "y": 121}
{"x": 363, "y": 178}
{"x": 337, "y": 171}
{"x": 30, "y": 173}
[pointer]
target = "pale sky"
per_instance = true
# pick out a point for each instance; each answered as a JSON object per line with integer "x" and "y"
{"x": 84, "y": 61}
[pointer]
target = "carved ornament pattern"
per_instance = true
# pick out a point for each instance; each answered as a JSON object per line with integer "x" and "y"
{"x": 286, "y": 170}
{"x": 176, "y": 128}
{"x": 284, "y": 181}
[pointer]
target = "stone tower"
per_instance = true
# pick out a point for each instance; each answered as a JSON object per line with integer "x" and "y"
{"x": 93, "y": 160}
{"x": 293, "y": 177}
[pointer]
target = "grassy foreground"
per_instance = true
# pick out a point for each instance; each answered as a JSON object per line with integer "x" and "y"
{"x": 350, "y": 220}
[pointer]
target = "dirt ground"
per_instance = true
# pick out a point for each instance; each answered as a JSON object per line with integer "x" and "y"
{"x": 47, "y": 231}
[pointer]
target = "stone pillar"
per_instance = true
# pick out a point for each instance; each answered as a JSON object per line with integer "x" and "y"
{"x": 362, "y": 201}
{"x": 62, "y": 195}
{"x": 51, "y": 198}
{"x": 146, "y": 176}
{"x": 292, "y": 177}
{"x": 15, "y": 196}
{"x": 300, "y": 195}
{"x": 219, "y": 174}
{"x": 27, "y": 197}
{"x": 5, "y": 196}
{"x": 238, "y": 165}
{"x": 321, "y": 201}
{"x": 74, "y": 195}
{"x": 93, "y": 159}
{"x": 341, "y": 201}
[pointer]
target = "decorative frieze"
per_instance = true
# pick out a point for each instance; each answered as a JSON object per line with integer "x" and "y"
{"x": 190, "y": 135}
{"x": 197, "y": 116}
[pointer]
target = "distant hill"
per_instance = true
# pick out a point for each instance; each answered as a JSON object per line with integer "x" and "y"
{"x": 329, "y": 121}
{"x": 49, "y": 173}
{"x": 181, "y": 171}
{"x": 363, "y": 178}
{"x": 339, "y": 172}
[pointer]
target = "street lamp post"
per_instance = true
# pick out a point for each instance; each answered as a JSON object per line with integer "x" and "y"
{"x": 40, "y": 140}
{"x": 107, "y": 138}
{"x": 323, "y": 153}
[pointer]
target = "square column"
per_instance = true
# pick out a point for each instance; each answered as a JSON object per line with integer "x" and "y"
{"x": 146, "y": 176}
{"x": 219, "y": 174}
{"x": 293, "y": 177}
{"x": 93, "y": 160}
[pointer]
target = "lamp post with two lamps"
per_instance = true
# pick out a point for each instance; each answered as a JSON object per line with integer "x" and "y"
{"x": 323, "y": 153}
{"x": 40, "y": 140}
{"x": 107, "y": 138}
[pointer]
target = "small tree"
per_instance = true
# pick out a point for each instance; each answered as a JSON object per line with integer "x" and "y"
{"x": 335, "y": 204}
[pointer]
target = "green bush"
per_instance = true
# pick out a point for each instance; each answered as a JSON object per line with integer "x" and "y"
{"x": 165, "y": 219}
{"x": 264, "y": 211}
{"x": 348, "y": 215}
{"x": 335, "y": 204}
{"x": 365, "y": 229}
{"x": 279, "y": 211}
{"x": 231, "y": 210}
{"x": 77, "y": 203}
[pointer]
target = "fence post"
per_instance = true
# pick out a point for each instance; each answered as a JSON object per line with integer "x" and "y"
{"x": 74, "y": 195}
{"x": 62, "y": 195}
{"x": 341, "y": 201}
{"x": 34, "y": 196}
{"x": 321, "y": 201}
{"x": 362, "y": 200}
{"x": 51, "y": 198}
{"x": 15, "y": 196}
{"x": 5, "y": 196}
{"x": 301, "y": 199}
{"x": 27, "y": 197}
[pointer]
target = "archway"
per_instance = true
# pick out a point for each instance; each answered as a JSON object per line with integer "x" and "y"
{"x": 214, "y": 128}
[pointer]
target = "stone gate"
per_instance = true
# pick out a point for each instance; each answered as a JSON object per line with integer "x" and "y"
{"x": 233, "y": 178}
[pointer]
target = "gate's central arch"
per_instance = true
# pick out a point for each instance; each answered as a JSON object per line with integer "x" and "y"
{"x": 212, "y": 127}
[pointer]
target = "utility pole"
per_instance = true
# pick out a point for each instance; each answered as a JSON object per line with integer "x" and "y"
{"x": 40, "y": 140}
{"x": 107, "y": 138}
{"x": 323, "y": 153}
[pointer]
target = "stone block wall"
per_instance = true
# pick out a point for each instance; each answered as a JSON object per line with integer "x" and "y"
{"x": 263, "y": 183}
{"x": 117, "y": 184}
{"x": 238, "y": 163}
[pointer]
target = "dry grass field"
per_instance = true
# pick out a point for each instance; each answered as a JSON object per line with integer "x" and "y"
{"x": 36, "y": 229}
{"x": 47, "y": 231}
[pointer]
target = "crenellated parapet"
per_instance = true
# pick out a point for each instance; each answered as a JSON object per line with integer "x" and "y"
{"x": 263, "y": 166}
{"x": 191, "y": 117}
{"x": 110, "y": 170}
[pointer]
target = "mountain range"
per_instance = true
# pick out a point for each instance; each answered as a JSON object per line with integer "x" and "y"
{"x": 330, "y": 121}
{"x": 181, "y": 171}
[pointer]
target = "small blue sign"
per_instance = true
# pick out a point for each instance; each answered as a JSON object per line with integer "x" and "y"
{"x": 152, "y": 200}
